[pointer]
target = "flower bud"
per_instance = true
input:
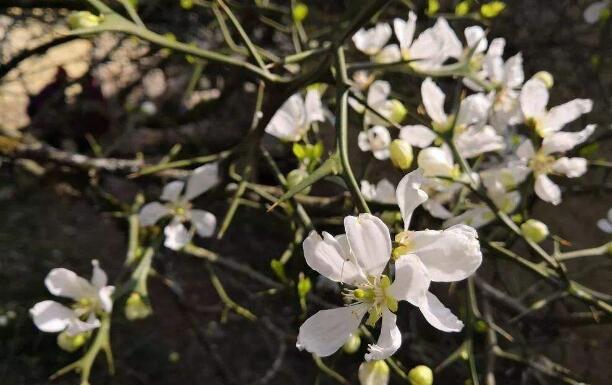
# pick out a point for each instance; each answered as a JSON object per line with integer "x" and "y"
{"x": 83, "y": 19}
{"x": 374, "y": 373}
{"x": 299, "y": 12}
{"x": 398, "y": 111}
{"x": 462, "y": 8}
{"x": 534, "y": 230}
{"x": 352, "y": 344}
{"x": 401, "y": 154}
{"x": 492, "y": 9}
{"x": 135, "y": 308}
{"x": 434, "y": 162}
{"x": 71, "y": 343}
{"x": 546, "y": 78}
{"x": 295, "y": 177}
{"x": 186, "y": 4}
{"x": 420, "y": 375}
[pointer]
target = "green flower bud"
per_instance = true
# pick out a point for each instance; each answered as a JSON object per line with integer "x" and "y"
{"x": 374, "y": 373}
{"x": 433, "y": 6}
{"x": 299, "y": 12}
{"x": 546, "y": 78}
{"x": 420, "y": 375}
{"x": 186, "y": 4}
{"x": 136, "y": 308}
{"x": 71, "y": 343}
{"x": 304, "y": 285}
{"x": 295, "y": 177}
{"x": 462, "y": 8}
{"x": 401, "y": 154}
{"x": 534, "y": 230}
{"x": 481, "y": 326}
{"x": 83, "y": 19}
{"x": 398, "y": 111}
{"x": 492, "y": 9}
{"x": 352, "y": 344}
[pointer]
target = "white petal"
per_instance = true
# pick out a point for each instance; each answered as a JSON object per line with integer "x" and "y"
{"x": 288, "y": 123}
{"x": 385, "y": 192}
{"x": 172, "y": 191}
{"x": 377, "y": 140}
{"x": 525, "y": 151}
{"x": 433, "y": 100}
{"x": 434, "y": 162}
{"x": 437, "y": 209}
{"x": 51, "y": 316}
{"x": 449, "y": 255}
{"x": 65, "y": 283}
{"x": 326, "y": 331}
{"x": 76, "y": 326}
{"x": 438, "y": 315}
{"x": 411, "y": 280}
{"x": 593, "y": 12}
{"x": 497, "y": 46}
{"x": 363, "y": 141}
{"x": 534, "y": 98}
{"x": 417, "y": 135}
{"x": 99, "y": 278}
{"x": 475, "y": 37}
{"x": 409, "y": 195}
{"x": 105, "y": 295}
{"x": 513, "y": 71}
{"x": 559, "y": 116}
{"x": 370, "y": 242}
{"x": 475, "y": 217}
{"x": 314, "y": 107}
{"x": 389, "y": 341}
{"x": 378, "y": 93}
{"x": 547, "y": 190}
{"x": 605, "y": 225}
{"x": 404, "y": 30}
{"x": 389, "y": 54}
{"x": 474, "y": 141}
{"x": 152, "y": 212}
{"x": 202, "y": 179}
{"x": 570, "y": 167}
{"x": 177, "y": 235}
{"x": 329, "y": 258}
{"x": 372, "y": 40}
{"x": 565, "y": 141}
{"x": 451, "y": 45}
{"x": 474, "y": 109}
{"x": 204, "y": 222}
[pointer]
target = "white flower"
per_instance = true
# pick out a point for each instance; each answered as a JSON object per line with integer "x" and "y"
{"x": 371, "y": 41}
{"x": 593, "y": 12}
{"x": 90, "y": 300}
{"x": 291, "y": 122}
{"x": 542, "y": 162}
{"x": 359, "y": 258}
{"x": 437, "y": 162}
{"x": 427, "y": 50}
{"x": 605, "y": 224}
{"x": 383, "y": 191}
{"x": 377, "y": 140}
{"x": 378, "y": 100}
{"x": 534, "y": 98}
{"x": 471, "y": 134}
{"x": 178, "y": 205}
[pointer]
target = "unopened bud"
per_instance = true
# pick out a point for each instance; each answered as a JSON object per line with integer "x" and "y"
{"x": 462, "y": 8}
{"x": 83, "y": 19}
{"x": 398, "y": 111}
{"x": 295, "y": 177}
{"x": 374, "y": 373}
{"x": 546, "y": 78}
{"x": 492, "y": 9}
{"x": 352, "y": 344}
{"x": 186, "y": 4}
{"x": 299, "y": 12}
{"x": 135, "y": 307}
{"x": 420, "y": 375}
{"x": 401, "y": 154}
{"x": 534, "y": 230}
{"x": 71, "y": 343}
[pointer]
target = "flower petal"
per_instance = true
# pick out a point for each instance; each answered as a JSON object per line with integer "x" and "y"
{"x": 534, "y": 98}
{"x": 177, "y": 235}
{"x": 434, "y": 161}
{"x": 411, "y": 280}
{"x": 513, "y": 71}
{"x": 99, "y": 279}
{"x": 409, "y": 195}
{"x": 389, "y": 54}
{"x": 204, "y": 222}
{"x": 76, "y": 326}
{"x": 288, "y": 123}
{"x": 475, "y": 37}
{"x": 105, "y": 295}
{"x": 66, "y": 283}
{"x": 370, "y": 242}
{"x": 559, "y": 116}
{"x": 593, "y": 12}
{"x": 476, "y": 141}
{"x": 328, "y": 257}
{"x": 417, "y": 135}
{"x": 389, "y": 340}
{"x": 326, "y": 331}
{"x": 525, "y": 150}
{"x": 370, "y": 41}
{"x": 547, "y": 190}
{"x": 51, "y": 316}
{"x": 433, "y": 100}
{"x": 172, "y": 191}
{"x": 565, "y": 141}
{"x": 201, "y": 180}
{"x": 378, "y": 93}
{"x": 152, "y": 212}
{"x": 449, "y": 255}
{"x": 451, "y": 45}
{"x": 404, "y": 30}
{"x": 438, "y": 315}
{"x": 570, "y": 167}
{"x": 313, "y": 106}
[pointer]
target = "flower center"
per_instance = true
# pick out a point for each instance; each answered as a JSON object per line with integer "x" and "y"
{"x": 377, "y": 142}
{"x": 374, "y": 293}
{"x": 181, "y": 210}
{"x": 541, "y": 163}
